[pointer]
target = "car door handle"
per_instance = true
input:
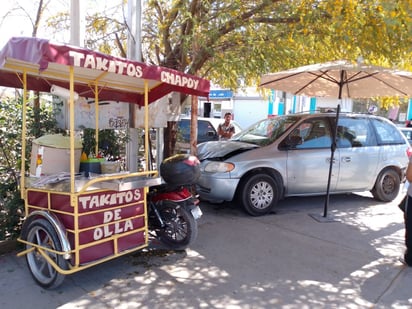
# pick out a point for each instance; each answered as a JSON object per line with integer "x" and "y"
{"x": 346, "y": 159}
{"x": 328, "y": 160}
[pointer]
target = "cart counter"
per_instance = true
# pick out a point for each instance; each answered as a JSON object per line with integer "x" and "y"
{"x": 107, "y": 219}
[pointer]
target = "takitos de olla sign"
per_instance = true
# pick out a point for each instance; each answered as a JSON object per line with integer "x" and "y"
{"x": 111, "y": 220}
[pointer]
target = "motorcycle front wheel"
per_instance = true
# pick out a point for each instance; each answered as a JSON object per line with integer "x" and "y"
{"x": 180, "y": 227}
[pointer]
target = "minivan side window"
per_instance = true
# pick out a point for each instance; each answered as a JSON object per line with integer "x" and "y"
{"x": 355, "y": 132}
{"x": 387, "y": 133}
{"x": 314, "y": 133}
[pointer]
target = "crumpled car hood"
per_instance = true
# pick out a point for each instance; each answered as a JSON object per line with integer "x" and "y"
{"x": 222, "y": 149}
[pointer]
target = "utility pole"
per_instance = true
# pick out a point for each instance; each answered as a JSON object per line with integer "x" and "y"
{"x": 134, "y": 51}
{"x": 76, "y": 24}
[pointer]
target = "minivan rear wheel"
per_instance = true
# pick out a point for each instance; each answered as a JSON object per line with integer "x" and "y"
{"x": 387, "y": 186}
{"x": 259, "y": 194}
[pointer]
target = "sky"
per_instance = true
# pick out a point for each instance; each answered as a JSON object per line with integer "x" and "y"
{"x": 16, "y": 15}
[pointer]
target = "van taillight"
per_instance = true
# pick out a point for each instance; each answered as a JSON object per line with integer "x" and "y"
{"x": 409, "y": 152}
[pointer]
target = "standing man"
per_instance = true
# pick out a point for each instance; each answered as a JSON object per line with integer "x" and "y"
{"x": 226, "y": 129}
{"x": 408, "y": 216}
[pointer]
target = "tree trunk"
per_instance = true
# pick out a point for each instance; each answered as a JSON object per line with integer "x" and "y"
{"x": 170, "y": 137}
{"x": 193, "y": 127}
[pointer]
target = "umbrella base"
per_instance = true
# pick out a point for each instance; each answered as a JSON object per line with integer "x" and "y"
{"x": 323, "y": 219}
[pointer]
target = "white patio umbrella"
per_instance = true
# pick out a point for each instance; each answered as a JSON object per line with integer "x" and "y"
{"x": 340, "y": 79}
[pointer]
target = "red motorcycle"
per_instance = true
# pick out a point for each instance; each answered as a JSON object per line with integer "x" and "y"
{"x": 173, "y": 208}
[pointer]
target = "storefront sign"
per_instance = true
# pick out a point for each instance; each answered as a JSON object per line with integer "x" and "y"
{"x": 220, "y": 94}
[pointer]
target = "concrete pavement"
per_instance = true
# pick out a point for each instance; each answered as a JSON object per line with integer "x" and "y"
{"x": 283, "y": 260}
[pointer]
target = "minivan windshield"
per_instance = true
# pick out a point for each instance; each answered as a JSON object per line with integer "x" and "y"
{"x": 266, "y": 131}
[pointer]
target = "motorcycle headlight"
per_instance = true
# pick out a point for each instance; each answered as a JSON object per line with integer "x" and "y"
{"x": 219, "y": 167}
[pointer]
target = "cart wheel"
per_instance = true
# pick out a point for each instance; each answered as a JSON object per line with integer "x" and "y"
{"x": 41, "y": 232}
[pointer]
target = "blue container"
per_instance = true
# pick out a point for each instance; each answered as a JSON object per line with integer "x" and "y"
{"x": 91, "y": 166}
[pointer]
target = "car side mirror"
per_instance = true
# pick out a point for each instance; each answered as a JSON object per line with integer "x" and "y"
{"x": 211, "y": 133}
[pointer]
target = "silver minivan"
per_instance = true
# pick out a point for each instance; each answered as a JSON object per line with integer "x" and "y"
{"x": 290, "y": 156}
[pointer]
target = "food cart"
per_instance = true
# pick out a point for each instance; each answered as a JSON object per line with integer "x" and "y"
{"x": 76, "y": 222}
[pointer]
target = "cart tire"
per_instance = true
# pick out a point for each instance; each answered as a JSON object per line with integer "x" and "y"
{"x": 41, "y": 232}
{"x": 180, "y": 226}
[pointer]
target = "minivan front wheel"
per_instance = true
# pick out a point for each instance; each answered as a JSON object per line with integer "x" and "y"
{"x": 387, "y": 186}
{"x": 259, "y": 194}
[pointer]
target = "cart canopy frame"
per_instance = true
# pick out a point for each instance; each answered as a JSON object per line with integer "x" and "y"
{"x": 118, "y": 79}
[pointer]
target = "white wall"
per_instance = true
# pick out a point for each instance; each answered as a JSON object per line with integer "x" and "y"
{"x": 248, "y": 110}
{"x": 346, "y": 104}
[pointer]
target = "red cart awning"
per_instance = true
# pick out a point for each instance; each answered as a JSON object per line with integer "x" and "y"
{"x": 118, "y": 79}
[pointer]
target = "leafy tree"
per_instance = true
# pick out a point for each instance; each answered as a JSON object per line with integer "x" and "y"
{"x": 34, "y": 14}
{"x": 378, "y": 31}
{"x": 232, "y": 41}
{"x": 111, "y": 143}
{"x": 235, "y": 42}
{"x": 11, "y": 205}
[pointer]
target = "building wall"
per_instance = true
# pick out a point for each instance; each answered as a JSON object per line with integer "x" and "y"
{"x": 248, "y": 110}
{"x": 346, "y": 105}
{"x": 250, "y": 106}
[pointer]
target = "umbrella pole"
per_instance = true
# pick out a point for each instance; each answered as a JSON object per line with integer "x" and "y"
{"x": 332, "y": 154}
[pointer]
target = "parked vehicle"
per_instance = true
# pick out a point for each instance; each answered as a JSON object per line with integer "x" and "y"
{"x": 290, "y": 156}
{"x": 173, "y": 209}
{"x": 206, "y": 131}
{"x": 173, "y": 212}
{"x": 407, "y": 131}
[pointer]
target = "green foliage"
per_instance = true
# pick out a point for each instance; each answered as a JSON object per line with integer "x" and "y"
{"x": 111, "y": 143}
{"x": 376, "y": 30}
{"x": 233, "y": 41}
{"x": 11, "y": 204}
{"x": 11, "y": 213}
{"x": 104, "y": 32}
{"x": 228, "y": 41}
